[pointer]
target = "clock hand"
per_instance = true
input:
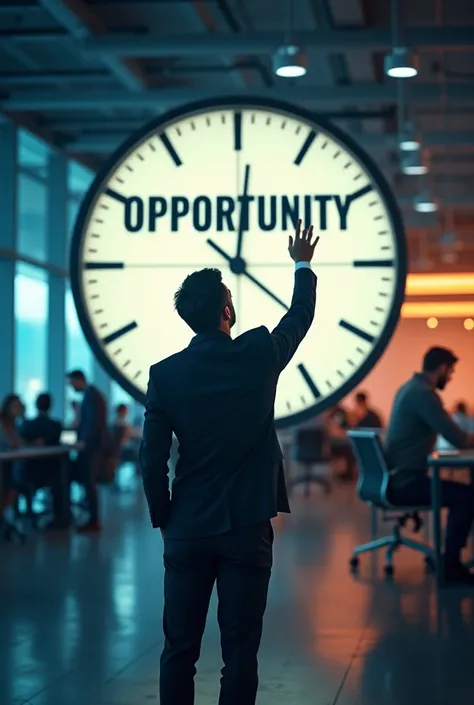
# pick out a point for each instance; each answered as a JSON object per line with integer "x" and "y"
{"x": 244, "y": 210}
{"x": 267, "y": 291}
{"x": 232, "y": 260}
{"x": 218, "y": 249}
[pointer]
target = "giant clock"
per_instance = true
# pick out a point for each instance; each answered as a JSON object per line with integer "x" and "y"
{"x": 220, "y": 184}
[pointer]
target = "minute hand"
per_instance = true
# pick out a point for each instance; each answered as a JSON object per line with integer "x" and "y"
{"x": 244, "y": 211}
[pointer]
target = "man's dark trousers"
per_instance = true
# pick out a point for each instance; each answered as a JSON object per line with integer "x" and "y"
{"x": 458, "y": 497}
{"x": 239, "y": 562}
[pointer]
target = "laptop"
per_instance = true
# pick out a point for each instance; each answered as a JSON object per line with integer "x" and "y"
{"x": 68, "y": 437}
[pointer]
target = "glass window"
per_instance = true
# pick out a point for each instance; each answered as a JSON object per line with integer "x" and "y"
{"x": 33, "y": 154}
{"x": 73, "y": 206}
{"x": 78, "y": 354}
{"x": 79, "y": 179}
{"x": 120, "y": 396}
{"x": 31, "y": 333}
{"x": 32, "y": 216}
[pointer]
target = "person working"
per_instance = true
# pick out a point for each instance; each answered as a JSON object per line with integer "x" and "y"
{"x": 365, "y": 416}
{"x": 217, "y": 396}
{"x": 92, "y": 438}
{"x": 417, "y": 417}
{"x": 44, "y": 472}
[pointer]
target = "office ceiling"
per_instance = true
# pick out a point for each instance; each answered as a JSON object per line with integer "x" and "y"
{"x": 84, "y": 73}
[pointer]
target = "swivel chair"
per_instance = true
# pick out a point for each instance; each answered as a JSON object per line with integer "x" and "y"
{"x": 372, "y": 489}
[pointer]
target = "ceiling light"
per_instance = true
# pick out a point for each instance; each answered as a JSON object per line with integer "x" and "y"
{"x": 432, "y": 322}
{"x": 400, "y": 63}
{"x": 424, "y": 203}
{"x": 289, "y": 61}
{"x": 408, "y": 142}
{"x": 412, "y": 163}
{"x": 438, "y": 309}
{"x": 469, "y": 324}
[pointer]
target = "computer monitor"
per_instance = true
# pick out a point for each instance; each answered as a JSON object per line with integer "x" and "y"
{"x": 68, "y": 437}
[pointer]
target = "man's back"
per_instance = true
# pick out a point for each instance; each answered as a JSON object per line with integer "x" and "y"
{"x": 218, "y": 396}
{"x": 93, "y": 419}
{"x": 43, "y": 428}
{"x": 416, "y": 419}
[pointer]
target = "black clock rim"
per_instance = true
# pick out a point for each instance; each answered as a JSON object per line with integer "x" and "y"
{"x": 242, "y": 101}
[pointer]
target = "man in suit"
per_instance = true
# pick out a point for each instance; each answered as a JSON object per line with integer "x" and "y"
{"x": 217, "y": 396}
{"x": 92, "y": 438}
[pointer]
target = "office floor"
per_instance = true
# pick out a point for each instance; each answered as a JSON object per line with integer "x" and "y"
{"x": 80, "y": 618}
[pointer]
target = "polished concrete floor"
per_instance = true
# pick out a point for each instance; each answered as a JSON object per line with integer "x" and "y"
{"x": 81, "y": 618}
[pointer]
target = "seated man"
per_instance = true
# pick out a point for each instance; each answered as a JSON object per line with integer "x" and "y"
{"x": 43, "y": 472}
{"x": 366, "y": 417}
{"x": 417, "y": 417}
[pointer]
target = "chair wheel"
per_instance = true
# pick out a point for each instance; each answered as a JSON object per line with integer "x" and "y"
{"x": 389, "y": 570}
{"x": 429, "y": 564}
{"x": 354, "y": 562}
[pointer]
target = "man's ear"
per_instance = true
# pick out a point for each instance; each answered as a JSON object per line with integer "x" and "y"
{"x": 227, "y": 313}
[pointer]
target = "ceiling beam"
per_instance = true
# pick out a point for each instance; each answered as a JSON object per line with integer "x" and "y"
{"x": 127, "y": 125}
{"x": 105, "y": 142}
{"x": 77, "y": 19}
{"x": 158, "y": 99}
{"x": 42, "y": 78}
{"x": 432, "y": 38}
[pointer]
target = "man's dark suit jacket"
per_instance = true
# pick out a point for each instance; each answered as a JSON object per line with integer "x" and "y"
{"x": 44, "y": 428}
{"x": 93, "y": 420}
{"x": 217, "y": 396}
{"x": 40, "y": 471}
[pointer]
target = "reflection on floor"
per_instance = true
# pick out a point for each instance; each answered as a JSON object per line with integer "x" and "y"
{"x": 81, "y": 618}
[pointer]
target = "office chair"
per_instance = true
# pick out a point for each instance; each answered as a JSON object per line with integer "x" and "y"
{"x": 372, "y": 489}
{"x": 311, "y": 449}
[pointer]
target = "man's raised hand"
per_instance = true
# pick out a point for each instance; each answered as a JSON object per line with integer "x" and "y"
{"x": 301, "y": 247}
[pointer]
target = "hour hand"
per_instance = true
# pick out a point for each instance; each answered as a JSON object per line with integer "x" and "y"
{"x": 218, "y": 249}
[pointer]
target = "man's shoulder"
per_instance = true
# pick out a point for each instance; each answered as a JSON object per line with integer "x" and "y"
{"x": 261, "y": 334}
{"x": 163, "y": 367}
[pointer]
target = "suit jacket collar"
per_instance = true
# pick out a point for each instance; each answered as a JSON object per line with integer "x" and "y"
{"x": 217, "y": 337}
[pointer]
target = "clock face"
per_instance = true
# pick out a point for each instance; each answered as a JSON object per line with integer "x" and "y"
{"x": 175, "y": 198}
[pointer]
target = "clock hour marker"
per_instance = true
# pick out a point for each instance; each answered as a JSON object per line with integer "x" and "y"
{"x": 104, "y": 265}
{"x": 114, "y": 194}
{"x": 237, "y": 131}
{"x": 373, "y": 263}
{"x": 170, "y": 149}
{"x": 118, "y": 333}
{"x": 306, "y": 145}
{"x": 309, "y": 381}
{"x": 357, "y": 331}
{"x": 361, "y": 192}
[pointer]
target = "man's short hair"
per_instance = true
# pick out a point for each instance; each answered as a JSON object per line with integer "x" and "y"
{"x": 44, "y": 402}
{"x": 121, "y": 407}
{"x": 78, "y": 375}
{"x": 361, "y": 397}
{"x": 200, "y": 300}
{"x": 435, "y": 357}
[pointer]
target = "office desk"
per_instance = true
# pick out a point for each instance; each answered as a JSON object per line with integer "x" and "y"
{"x": 34, "y": 453}
{"x": 454, "y": 460}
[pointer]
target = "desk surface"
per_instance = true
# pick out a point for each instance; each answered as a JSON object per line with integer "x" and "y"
{"x": 34, "y": 452}
{"x": 452, "y": 459}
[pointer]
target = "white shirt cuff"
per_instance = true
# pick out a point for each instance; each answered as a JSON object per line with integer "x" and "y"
{"x": 302, "y": 265}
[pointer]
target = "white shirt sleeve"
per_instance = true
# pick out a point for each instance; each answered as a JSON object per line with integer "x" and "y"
{"x": 302, "y": 265}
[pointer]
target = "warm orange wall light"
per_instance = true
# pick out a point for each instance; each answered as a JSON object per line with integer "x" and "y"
{"x": 438, "y": 309}
{"x": 439, "y": 284}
